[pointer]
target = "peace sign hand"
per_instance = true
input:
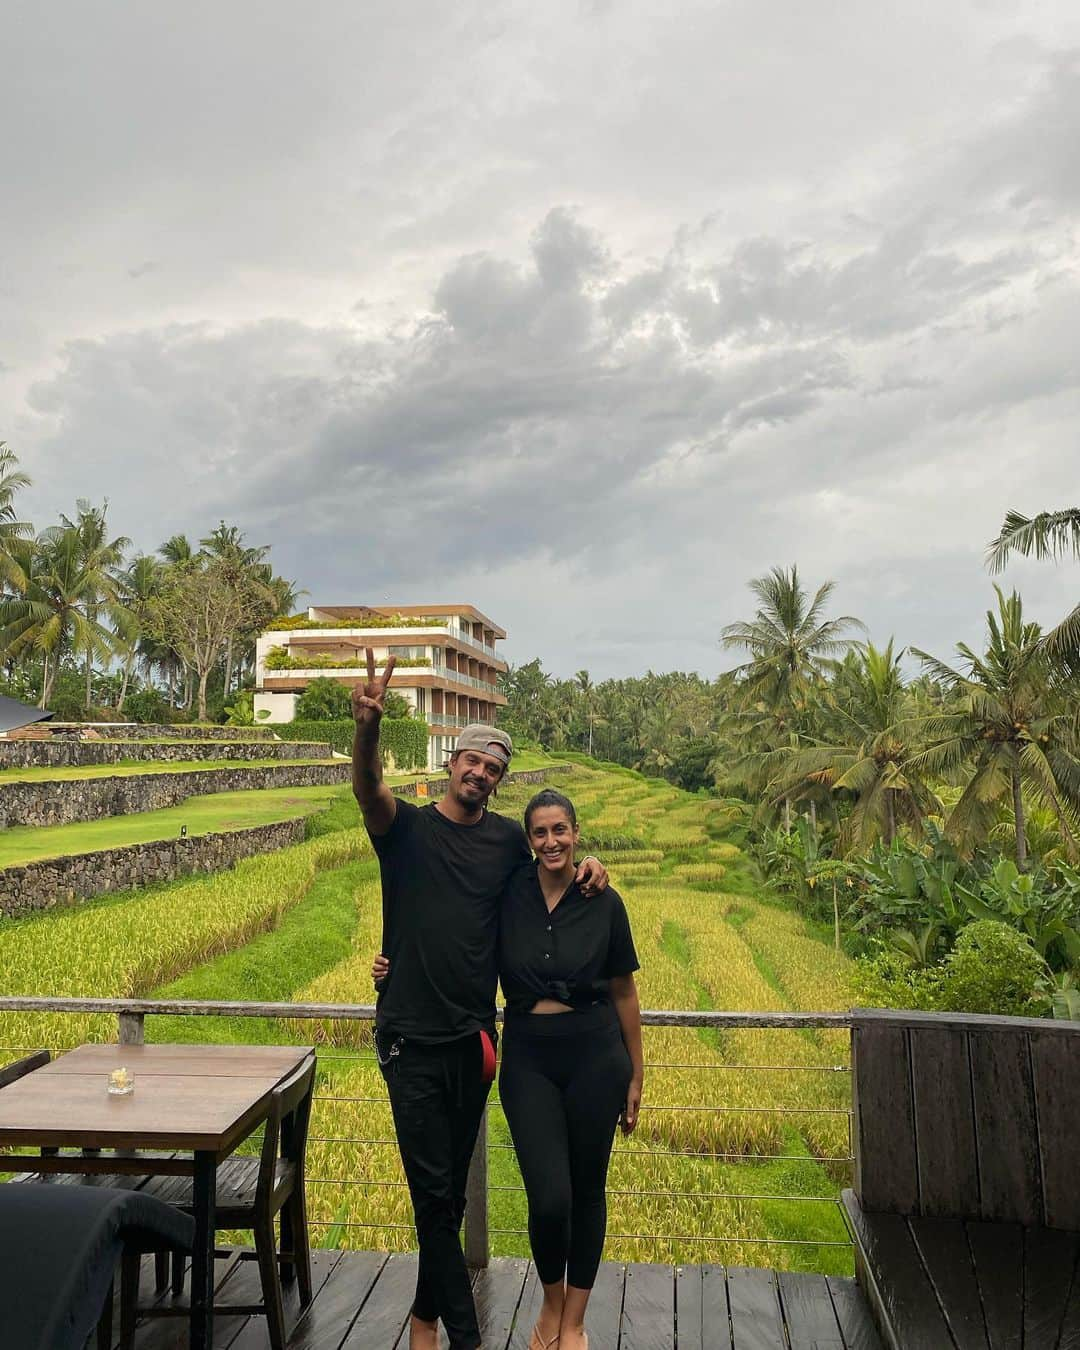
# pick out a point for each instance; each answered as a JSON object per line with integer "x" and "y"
{"x": 367, "y": 699}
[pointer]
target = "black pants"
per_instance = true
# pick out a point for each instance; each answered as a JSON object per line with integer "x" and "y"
{"x": 437, "y": 1098}
{"x": 563, "y": 1084}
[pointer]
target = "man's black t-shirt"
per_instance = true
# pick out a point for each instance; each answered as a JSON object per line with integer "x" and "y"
{"x": 442, "y": 884}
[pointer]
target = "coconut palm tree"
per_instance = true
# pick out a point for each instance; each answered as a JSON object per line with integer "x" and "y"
{"x": 12, "y": 530}
{"x": 1009, "y": 728}
{"x": 136, "y": 588}
{"x": 789, "y": 639}
{"x": 55, "y": 613}
{"x": 101, "y": 558}
{"x": 1051, "y": 534}
{"x": 865, "y": 747}
{"x": 790, "y": 643}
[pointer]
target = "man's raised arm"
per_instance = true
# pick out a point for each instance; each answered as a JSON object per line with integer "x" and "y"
{"x": 376, "y": 801}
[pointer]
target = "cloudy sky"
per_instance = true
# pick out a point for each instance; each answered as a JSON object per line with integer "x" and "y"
{"x": 583, "y": 312}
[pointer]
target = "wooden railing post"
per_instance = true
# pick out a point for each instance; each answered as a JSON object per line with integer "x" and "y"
{"x": 131, "y": 1028}
{"x": 477, "y": 1246}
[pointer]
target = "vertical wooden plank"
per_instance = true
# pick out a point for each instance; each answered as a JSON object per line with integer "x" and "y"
{"x": 323, "y": 1263}
{"x": 944, "y": 1122}
{"x": 1005, "y": 1127}
{"x": 891, "y": 1273}
{"x": 853, "y": 1314}
{"x": 324, "y": 1322}
{"x": 605, "y": 1304}
{"x": 943, "y": 1245}
{"x": 497, "y": 1291}
{"x": 998, "y": 1252}
{"x": 689, "y": 1325}
{"x": 715, "y": 1322}
{"x": 532, "y": 1296}
{"x": 386, "y": 1309}
{"x": 808, "y": 1312}
{"x": 648, "y": 1315}
{"x": 1049, "y": 1269}
{"x": 1055, "y": 1058}
{"x": 754, "y": 1307}
{"x": 477, "y": 1244}
{"x": 886, "y": 1173}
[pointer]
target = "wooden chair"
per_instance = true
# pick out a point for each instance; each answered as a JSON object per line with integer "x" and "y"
{"x": 21, "y": 1067}
{"x": 966, "y": 1205}
{"x": 251, "y": 1193}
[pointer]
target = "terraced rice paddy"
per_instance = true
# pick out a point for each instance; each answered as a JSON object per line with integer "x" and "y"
{"x": 743, "y": 1142}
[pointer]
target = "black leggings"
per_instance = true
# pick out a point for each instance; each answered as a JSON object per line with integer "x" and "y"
{"x": 563, "y": 1084}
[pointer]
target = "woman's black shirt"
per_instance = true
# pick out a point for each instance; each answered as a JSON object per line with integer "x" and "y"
{"x": 569, "y": 954}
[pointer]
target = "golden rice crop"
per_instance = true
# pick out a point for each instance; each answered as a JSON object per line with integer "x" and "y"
{"x": 635, "y": 855}
{"x": 633, "y": 870}
{"x": 123, "y": 950}
{"x": 704, "y": 871}
{"x": 723, "y": 852}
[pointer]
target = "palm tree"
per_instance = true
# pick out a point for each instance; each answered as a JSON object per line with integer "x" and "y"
{"x": 177, "y": 549}
{"x": 790, "y": 642}
{"x": 12, "y": 530}
{"x": 587, "y": 691}
{"x": 1008, "y": 729}
{"x": 55, "y": 613}
{"x": 866, "y": 748}
{"x": 788, "y": 639}
{"x": 1051, "y": 534}
{"x": 136, "y": 589}
{"x": 101, "y": 558}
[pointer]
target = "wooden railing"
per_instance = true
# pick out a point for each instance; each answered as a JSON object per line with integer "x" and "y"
{"x": 131, "y": 1015}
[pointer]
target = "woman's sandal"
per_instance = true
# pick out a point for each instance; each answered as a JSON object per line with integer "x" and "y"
{"x": 536, "y": 1343}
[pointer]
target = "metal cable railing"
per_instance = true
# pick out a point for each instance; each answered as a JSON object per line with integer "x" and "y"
{"x": 712, "y": 1137}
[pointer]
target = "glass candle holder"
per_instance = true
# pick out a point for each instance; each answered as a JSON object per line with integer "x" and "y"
{"x": 121, "y": 1082}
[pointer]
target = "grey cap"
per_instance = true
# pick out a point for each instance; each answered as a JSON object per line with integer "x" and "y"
{"x": 486, "y": 740}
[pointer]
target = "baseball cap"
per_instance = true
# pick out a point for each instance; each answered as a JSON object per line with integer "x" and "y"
{"x": 486, "y": 740}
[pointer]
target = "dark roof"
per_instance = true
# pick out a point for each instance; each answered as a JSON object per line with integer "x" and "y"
{"x": 14, "y": 714}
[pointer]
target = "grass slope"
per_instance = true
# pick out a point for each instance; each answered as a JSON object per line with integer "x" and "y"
{"x": 215, "y": 812}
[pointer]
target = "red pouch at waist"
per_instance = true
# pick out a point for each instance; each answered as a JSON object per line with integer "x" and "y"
{"x": 487, "y": 1051}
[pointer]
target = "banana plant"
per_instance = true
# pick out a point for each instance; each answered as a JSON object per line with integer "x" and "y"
{"x": 1028, "y": 902}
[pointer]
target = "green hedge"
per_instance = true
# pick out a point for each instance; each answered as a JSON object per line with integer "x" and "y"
{"x": 279, "y": 658}
{"x": 338, "y": 733}
{"x": 301, "y": 622}
{"x": 406, "y": 738}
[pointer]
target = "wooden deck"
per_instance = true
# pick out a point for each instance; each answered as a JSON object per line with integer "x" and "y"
{"x": 362, "y": 1300}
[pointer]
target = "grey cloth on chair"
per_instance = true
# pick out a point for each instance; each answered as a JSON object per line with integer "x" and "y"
{"x": 59, "y": 1246}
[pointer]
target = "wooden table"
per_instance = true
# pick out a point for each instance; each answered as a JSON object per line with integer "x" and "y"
{"x": 198, "y": 1099}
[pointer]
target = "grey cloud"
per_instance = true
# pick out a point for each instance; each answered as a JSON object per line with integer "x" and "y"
{"x": 817, "y": 301}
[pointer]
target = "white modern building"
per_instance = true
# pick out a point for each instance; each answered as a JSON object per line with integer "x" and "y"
{"x": 446, "y": 662}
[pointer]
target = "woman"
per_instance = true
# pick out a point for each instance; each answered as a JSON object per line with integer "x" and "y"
{"x": 571, "y": 1061}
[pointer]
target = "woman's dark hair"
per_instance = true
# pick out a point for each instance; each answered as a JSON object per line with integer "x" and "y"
{"x": 549, "y": 797}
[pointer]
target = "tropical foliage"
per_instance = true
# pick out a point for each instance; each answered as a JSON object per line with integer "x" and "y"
{"x": 165, "y": 629}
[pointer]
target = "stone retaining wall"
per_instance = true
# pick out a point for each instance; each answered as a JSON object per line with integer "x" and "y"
{"x": 60, "y": 754}
{"x": 53, "y": 802}
{"x": 59, "y": 881}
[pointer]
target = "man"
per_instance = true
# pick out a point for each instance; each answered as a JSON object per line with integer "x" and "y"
{"x": 444, "y": 868}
